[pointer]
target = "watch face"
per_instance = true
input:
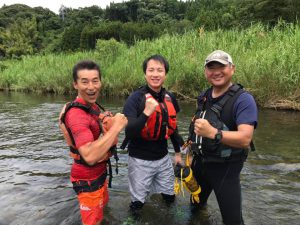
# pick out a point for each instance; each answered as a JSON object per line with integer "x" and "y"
{"x": 218, "y": 136}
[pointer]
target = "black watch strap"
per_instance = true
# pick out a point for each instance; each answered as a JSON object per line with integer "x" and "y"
{"x": 218, "y": 136}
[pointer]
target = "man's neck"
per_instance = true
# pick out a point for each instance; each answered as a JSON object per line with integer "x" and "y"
{"x": 84, "y": 102}
{"x": 154, "y": 90}
{"x": 218, "y": 91}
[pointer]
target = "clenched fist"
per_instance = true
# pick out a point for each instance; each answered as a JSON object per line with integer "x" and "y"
{"x": 203, "y": 128}
{"x": 150, "y": 106}
{"x": 119, "y": 121}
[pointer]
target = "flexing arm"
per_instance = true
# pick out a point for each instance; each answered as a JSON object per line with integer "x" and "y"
{"x": 97, "y": 150}
{"x": 136, "y": 124}
{"x": 238, "y": 139}
{"x": 246, "y": 117}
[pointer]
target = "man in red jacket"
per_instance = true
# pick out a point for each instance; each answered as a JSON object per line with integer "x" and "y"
{"x": 90, "y": 153}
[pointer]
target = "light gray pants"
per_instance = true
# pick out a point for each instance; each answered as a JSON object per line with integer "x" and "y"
{"x": 145, "y": 176}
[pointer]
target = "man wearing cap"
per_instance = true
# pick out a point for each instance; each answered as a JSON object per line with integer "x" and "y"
{"x": 221, "y": 133}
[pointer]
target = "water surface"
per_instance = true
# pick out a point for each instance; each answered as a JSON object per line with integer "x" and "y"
{"x": 35, "y": 166}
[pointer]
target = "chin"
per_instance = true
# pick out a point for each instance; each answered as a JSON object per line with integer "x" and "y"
{"x": 156, "y": 86}
{"x": 90, "y": 101}
{"x": 218, "y": 84}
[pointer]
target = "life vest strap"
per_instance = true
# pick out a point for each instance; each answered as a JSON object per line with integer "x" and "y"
{"x": 89, "y": 186}
{"x": 218, "y": 107}
{"x": 75, "y": 156}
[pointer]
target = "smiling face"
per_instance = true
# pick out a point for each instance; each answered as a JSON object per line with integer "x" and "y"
{"x": 219, "y": 75}
{"x": 88, "y": 85}
{"x": 155, "y": 74}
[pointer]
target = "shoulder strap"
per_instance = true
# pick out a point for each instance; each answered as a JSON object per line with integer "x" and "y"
{"x": 86, "y": 108}
{"x": 218, "y": 106}
{"x": 201, "y": 100}
{"x": 100, "y": 107}
{"x": 73, "y": 104}
{"x": 232, "y": 92}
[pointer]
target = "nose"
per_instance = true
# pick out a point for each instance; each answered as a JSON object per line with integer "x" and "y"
{"x": 155, "y": 73}
{"x": 215, "y": 72}
{"x": 90, "y": 86}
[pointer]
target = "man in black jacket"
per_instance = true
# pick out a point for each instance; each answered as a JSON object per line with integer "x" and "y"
{"x": 151, "y": 113}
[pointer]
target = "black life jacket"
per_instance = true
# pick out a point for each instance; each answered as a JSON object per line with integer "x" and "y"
{"x": 220, "y": 115}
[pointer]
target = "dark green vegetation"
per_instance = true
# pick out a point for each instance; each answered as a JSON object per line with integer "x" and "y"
{"x": 27, "y": 31}
{"x": 39, "y": 47}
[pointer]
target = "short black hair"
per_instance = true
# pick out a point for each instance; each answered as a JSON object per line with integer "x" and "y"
{"x": 158, "y": 58}
{"x": 85, "y": 64}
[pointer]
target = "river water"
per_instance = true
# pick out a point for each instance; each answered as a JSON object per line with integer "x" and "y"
{"x": 35, "y": 166}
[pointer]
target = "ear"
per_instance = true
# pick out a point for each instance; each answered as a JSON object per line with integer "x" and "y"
{"x": 204, "y": 73}
{"x": 233, "y": 68}
{"x": 75, "y": 85}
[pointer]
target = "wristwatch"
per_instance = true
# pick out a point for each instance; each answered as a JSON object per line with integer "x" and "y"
{"x": 218, "y": 136}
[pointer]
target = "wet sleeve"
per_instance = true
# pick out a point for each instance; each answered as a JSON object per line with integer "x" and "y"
{"x": 245, "y": 109}
{"x": 136, "y": 119}
{"x": 78, "y": 123}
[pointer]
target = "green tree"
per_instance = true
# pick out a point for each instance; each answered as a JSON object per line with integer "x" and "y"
{"x": 87, "y": 38}
{"x": 110, "y": 48}
{"x": 117, "y": 12}
{"x": 267, "y": 11}
{"x": 71, "y": 38}
{"x": 132, "y": 10}
{"x": 20, "y": 38}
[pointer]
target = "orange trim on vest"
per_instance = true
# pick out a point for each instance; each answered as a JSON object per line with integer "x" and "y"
{"x": 153, "y": 126}
{"x": 75, "y": 156}
{"x": 105, "y": 123}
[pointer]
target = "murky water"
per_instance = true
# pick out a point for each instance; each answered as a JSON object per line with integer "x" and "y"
{"x": 35, "y": 166}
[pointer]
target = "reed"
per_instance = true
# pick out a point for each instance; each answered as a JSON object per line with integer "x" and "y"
{"x": 267, "y": 63}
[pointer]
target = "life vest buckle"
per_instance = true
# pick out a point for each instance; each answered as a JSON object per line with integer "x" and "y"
{"x": 196, "y": 149}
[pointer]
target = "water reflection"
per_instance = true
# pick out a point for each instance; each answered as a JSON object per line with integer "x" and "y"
{"x": 35, "y": 166}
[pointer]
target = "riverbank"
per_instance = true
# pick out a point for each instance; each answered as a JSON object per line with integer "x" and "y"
{"x": 267, "y": 64}
{"x": 279, "y": 104}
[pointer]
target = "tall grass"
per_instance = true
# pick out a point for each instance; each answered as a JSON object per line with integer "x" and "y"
{"x": 267, "y": 63}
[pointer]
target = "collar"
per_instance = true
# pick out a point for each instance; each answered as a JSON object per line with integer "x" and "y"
{"x": 80, "y": 100}
{"x": 159, "y": 96}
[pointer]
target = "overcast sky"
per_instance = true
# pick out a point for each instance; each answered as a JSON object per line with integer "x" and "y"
{"x": 54, "y": 5}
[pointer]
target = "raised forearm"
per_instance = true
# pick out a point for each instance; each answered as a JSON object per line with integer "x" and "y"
{"x": 135, "y": 126}
{"x": 240, "y": 138}
{"x": 97, "y": 150}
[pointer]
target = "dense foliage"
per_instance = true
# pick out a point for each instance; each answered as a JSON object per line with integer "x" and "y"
{"x": 39, "y": 47}
{"x": 27, "y": 31}
{"x": 267, "y": 64}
